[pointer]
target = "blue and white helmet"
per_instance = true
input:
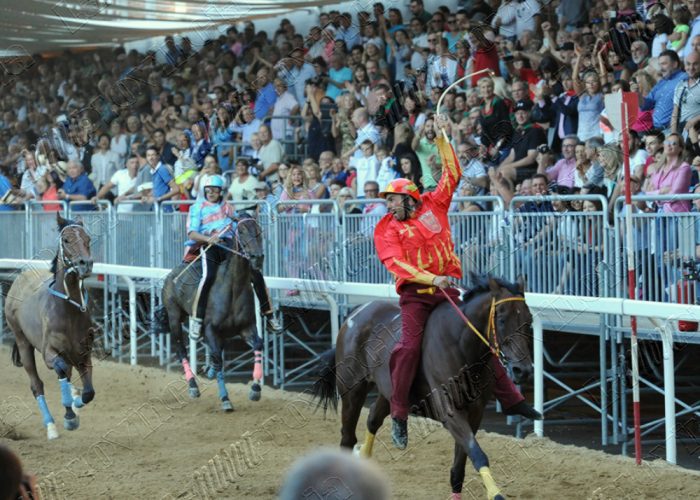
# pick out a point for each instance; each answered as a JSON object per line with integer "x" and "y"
{"x": 214, "y": 181}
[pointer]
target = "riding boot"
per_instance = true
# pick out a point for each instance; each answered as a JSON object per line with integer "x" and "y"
{"x": 399, "y": 433}
{"x": 508, "y": 394}
{"x": 195, "y": 328}
{"x": 273, "y": 325}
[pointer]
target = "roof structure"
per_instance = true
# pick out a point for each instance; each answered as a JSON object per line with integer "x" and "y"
{"x": 34, "y": 26}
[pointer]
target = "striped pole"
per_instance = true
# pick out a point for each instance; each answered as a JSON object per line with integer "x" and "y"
{"x": 632, "y": 287}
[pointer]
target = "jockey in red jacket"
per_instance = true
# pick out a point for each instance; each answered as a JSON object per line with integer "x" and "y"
{"x": 415, "y": 244}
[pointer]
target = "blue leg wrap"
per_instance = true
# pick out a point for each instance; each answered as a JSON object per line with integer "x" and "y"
{"x": 223, "y": 393}
{"x": 44, "y": 408}
{"x": 477, "y": 456}
{"x": 78, "y": 402}
{"x": 66, "y": 396}
{"x": 211, "y": 373}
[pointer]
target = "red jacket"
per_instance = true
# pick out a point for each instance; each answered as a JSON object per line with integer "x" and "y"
{"x": 420, "y": 248}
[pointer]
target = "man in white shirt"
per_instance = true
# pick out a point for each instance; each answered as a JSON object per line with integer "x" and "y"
{"x": 245, "y": 124}
{"x": 365, "y": 131}
{"x": 125, "y": 182}
{"x": 271, "y": 154}
{"x": 104, "y": 162}
{"x": 285, "y": 105}
{"x": 367, "y": 167}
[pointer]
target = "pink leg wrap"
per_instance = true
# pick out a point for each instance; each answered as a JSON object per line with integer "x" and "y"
{"x": 257, "y": 366}
{"x": 456, "y": 496}
{"x": 188, "y": 371}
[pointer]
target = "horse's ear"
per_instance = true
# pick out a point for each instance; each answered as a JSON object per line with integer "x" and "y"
{"x": 60, "y": 221}
{"x": 522, "y": 283}
{"x": 78, "y": 220}
{"x": 494, "y": 286}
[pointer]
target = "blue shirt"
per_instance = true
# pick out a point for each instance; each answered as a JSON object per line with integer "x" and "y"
{"x": 161, "y": 183}
{"x": 339, "y": 75}
{"x": 265, "y": 101}
{"x": 660, "y": 99}
{"x": 5, "y": 186}
{"x": 81, "y": 185}
{"x": 210, "y": 218}
{"x": 295, "y": 78}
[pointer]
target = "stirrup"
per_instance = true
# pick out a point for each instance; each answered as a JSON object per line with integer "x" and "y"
{"x": 273, "y": 325}
{"x": 195, "y": 328}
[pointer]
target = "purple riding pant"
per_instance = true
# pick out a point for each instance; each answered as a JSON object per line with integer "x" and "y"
{"x": 417, "y": 302}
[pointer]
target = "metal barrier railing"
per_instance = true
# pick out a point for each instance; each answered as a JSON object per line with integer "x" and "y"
{"x": 558, "y": 250}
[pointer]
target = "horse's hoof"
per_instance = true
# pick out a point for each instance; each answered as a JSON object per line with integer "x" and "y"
{"x": 211, "y": 373}
{"x": 51, "y": 431}
{"x": 194, "y": 392}
{"x": 71, "y": 424}
{"x": 255, "y": 393}
{"x": 499, "y": 497}
{"x": 227, "y": 406}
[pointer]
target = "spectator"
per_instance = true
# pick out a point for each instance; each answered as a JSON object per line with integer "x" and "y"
{"x": 286, "y": 105}
{"x": 344, "y": 195}
{"x": 267, "y": 96}
{"x": 30, "y": 177}
{"x": 105, "y": 162}
{"x": 590, "y": 102}
{"x": 411, "y": 170}
{"x": 342, "y": 126}
{"x": 164, "y": 147}
{"x": 686, "y": 98}
{"x": 339, "y": 74}
{"x": 271, "y": 154}
{"x": 15, "y": 484}
{"x": 243, "y": 184}
{"x": 164, "y": 185}
{"x": 424, "y": 147}
{"x": 125, "y": 182}
{"x": 673, "y": 177}
{"x": 660, "y": 99}
{"x": 77, "y": 188}
{"x": 367, "y": 167}
{"x": 245, "y": 124}
{"x": 119, "y": 141}
{"x": 521, "y": 160}
{"x": 474, "y": 172}
{"x": 52, "y": 182}
{"x": 5, "y": 192}
{"x": 564, "y": 171}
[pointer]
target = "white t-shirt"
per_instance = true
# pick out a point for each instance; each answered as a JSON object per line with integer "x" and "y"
{"x": 283, "y": 107}
{"x": 124, "y": 183}
{"x": 243, "y": 190}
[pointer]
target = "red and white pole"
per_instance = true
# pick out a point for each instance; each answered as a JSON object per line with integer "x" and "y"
{"x": 631, "y": 286}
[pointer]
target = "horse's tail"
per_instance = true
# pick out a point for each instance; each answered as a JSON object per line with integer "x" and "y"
{"x": 324, "y": 388}
{"x": 16, "y": 359}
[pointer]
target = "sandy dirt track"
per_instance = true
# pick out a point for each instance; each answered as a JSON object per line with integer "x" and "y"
{"x": 143, "y": 437}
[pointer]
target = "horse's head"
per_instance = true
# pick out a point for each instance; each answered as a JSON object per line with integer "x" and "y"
{"x": 74, "y": 247}
{"x": 248, "y": 241}
{"x": 512, "y": 322}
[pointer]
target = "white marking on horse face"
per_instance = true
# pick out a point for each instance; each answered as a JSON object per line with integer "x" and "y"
{"x": 350, "y": 321}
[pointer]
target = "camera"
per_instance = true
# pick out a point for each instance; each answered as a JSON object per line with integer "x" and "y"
{"x": 691, "y": 270}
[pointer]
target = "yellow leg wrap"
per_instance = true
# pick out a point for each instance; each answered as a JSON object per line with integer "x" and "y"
{"x": 366, "y": 450}
{"x": 491, "y": 488}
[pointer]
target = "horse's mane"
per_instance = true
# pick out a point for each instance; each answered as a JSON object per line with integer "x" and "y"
{"x": 480, "y": 284}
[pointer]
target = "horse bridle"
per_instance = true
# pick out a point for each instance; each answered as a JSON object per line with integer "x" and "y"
{"x": 237, "y": 240}
{"x": 491, "y": 331}
{"x": 69, "y": 267}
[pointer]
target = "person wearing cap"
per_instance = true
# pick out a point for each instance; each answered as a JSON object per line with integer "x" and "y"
{"x": 521, "y": 162}
{"x": 211, "y": 227}
{"x": 414, "y": 243}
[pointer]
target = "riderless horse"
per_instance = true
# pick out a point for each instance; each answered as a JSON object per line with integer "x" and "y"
{"x": 453, "y": 383}
{"x": 230, "y": 308}
{"x": 48, "y": 311}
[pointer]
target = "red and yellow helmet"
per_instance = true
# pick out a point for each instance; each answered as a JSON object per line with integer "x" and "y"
{"x": 401, "y": 186}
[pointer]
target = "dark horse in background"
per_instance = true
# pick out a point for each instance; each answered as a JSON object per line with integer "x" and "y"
{"x": 48, "y": 311}
{"x": 230, "y": 308}
{"x": 453, "y": 383}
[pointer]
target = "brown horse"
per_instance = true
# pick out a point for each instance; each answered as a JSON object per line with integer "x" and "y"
{"x": 48, "y": 311}
{"x": 453, "y": 383}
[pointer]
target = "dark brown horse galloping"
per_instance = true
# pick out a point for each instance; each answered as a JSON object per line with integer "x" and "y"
{"x": 230, "y": 308}
{"x": 453, "y": 383}
{"x": 48, "y": 311}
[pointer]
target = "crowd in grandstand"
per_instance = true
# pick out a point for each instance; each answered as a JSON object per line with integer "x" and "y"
{"x": 340, "y": 111}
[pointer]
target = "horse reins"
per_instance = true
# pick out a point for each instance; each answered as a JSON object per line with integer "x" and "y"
{"x": 491, "y": 330}
{"x": 69, "y": 267}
